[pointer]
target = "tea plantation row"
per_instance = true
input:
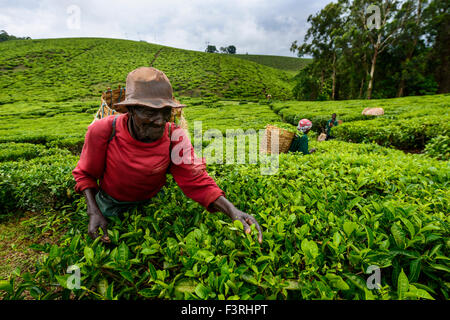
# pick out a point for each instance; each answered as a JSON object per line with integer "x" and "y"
{"x": 408, "y": 123}
{"x": 50, "y": 70}
{"x": 326, "y": 218}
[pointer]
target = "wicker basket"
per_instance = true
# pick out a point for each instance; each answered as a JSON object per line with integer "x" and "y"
{"x": 108, "y": 107}
{"x": 284, "y": 140}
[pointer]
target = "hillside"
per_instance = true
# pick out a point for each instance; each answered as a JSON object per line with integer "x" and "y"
{"x": 326, "y": 217}
{"x": 290, "y": 64}
{"x": 64, "y": 69}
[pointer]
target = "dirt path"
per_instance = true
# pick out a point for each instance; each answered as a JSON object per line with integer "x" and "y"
{"x": 155, "y": 57}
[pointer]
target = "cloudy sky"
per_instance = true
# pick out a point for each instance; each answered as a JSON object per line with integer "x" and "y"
{"x": 253, "y": 26}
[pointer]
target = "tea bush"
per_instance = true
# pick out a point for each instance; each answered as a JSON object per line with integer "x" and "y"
{"x": 439, "y": 148}
{"x": 326, "y": 218}
{"x": 411, "y": 133}
{"x": 408, "y": 123}
{"x": 43, "y": 182}
{"x": 52, "y": 70}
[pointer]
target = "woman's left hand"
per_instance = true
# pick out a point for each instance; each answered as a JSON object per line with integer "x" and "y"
{"x": 235, "y": 214}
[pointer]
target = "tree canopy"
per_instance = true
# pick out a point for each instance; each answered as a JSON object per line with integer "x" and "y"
{"x": 375, "y": 49}
{"x": 4, "y": 36}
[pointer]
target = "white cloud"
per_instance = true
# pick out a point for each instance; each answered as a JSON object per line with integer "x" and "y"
{"x": 253, "y": 26}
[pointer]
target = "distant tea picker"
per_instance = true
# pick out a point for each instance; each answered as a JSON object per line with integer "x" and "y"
{"x": 330, "y": 124}
{"x": 125, "y": 157}
{"x": 300, "y": 143}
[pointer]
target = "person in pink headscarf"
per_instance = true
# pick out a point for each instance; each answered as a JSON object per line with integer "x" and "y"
{"x": 300, "y": 142}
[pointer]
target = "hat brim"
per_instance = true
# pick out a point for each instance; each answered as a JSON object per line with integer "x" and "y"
{"x": 151, "y": 103}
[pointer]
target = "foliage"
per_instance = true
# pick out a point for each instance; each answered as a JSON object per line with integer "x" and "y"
{"x": 57, "y": 70}
{"x": 402, "y": 53}
{"x": 230, "y": 49}
{"x": 407, "y": 123}
{"x": 439, "y": 148}
{"x": 26, "y": 151}
{"x": 373, "y": 206}
{"x": 326, "y": 217}
{"x": 404, "y": 134}
{"x": 4, "y": 36}
{"x": 291, "y": 64}
{"x": 211, "y": 49}
{"x": 40, "y": 183}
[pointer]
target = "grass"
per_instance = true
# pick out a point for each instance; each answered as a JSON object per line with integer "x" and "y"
{"x": 15, "y": 242}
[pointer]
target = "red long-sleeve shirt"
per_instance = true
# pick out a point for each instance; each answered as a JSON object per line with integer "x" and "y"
{"x": 131, "y": 170}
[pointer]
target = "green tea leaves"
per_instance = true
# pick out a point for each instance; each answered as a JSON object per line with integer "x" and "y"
{"x": 310, "y": 249}
{"x": 402, "y": 285}
{"x": 399, "y": 236}
{"x": 89, "y": 254}
{"x": 201, "y": 291}
{"x": 337, "y": 282}
{"x": 349, "y": 227}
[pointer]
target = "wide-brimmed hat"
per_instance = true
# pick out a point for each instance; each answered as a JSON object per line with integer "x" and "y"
{"x": 148, "y": 87}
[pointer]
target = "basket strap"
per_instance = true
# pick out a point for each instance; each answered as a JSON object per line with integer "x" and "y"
{"x": 170, "y": 146}
{"x": 111, "y": 104}
{"x": 113, "y": 132}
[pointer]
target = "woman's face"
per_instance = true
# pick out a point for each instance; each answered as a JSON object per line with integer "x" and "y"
{"x": 149, "y": 123}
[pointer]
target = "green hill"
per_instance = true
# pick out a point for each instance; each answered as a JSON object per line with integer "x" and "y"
{"x": 290, "y": 64}
{"x": 64, "y": 69}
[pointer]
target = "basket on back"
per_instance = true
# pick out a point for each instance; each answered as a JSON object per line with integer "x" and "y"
{"x": 284, "y": 140}
{"x": 110, "y": 98}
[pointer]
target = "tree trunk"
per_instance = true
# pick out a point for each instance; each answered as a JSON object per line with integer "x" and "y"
{"x": 372, "y": 72}
{"x": 401, "y": 87}
{"x": 363, "y": 79}
{"x": 334, "y": 77}
{"x": 361, "y": 87}
{"x": 322, "y": 79}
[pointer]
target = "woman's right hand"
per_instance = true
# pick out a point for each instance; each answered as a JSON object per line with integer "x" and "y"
{"x": 96, "y": 218}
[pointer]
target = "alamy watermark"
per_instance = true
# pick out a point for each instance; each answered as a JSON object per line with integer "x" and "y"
{"x": 74, "y": 280}
{"x": 374, "y": 20}
{"x": 374, "y": 281}
{"x": 73, "y": 21}
{"x": 241, "y": 147}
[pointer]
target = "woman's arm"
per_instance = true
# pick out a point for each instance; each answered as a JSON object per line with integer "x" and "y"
{"x": 191, "y": 176}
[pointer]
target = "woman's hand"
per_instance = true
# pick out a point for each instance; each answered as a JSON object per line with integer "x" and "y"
{"x": 96, "y": 221}
{"x": 96, "y": 218}
{"x": 246, "y": 219}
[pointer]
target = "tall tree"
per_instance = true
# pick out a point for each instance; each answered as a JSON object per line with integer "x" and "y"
{"x": 409, "y": 39}
{"x": 211, "y": 49}
{"x": 401, "y": 45}
{"x": 231, "y": 49}
{"x": 384, "y": 32}
{"x": 323, "y": 37}
{"x": 437, "y": 18}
